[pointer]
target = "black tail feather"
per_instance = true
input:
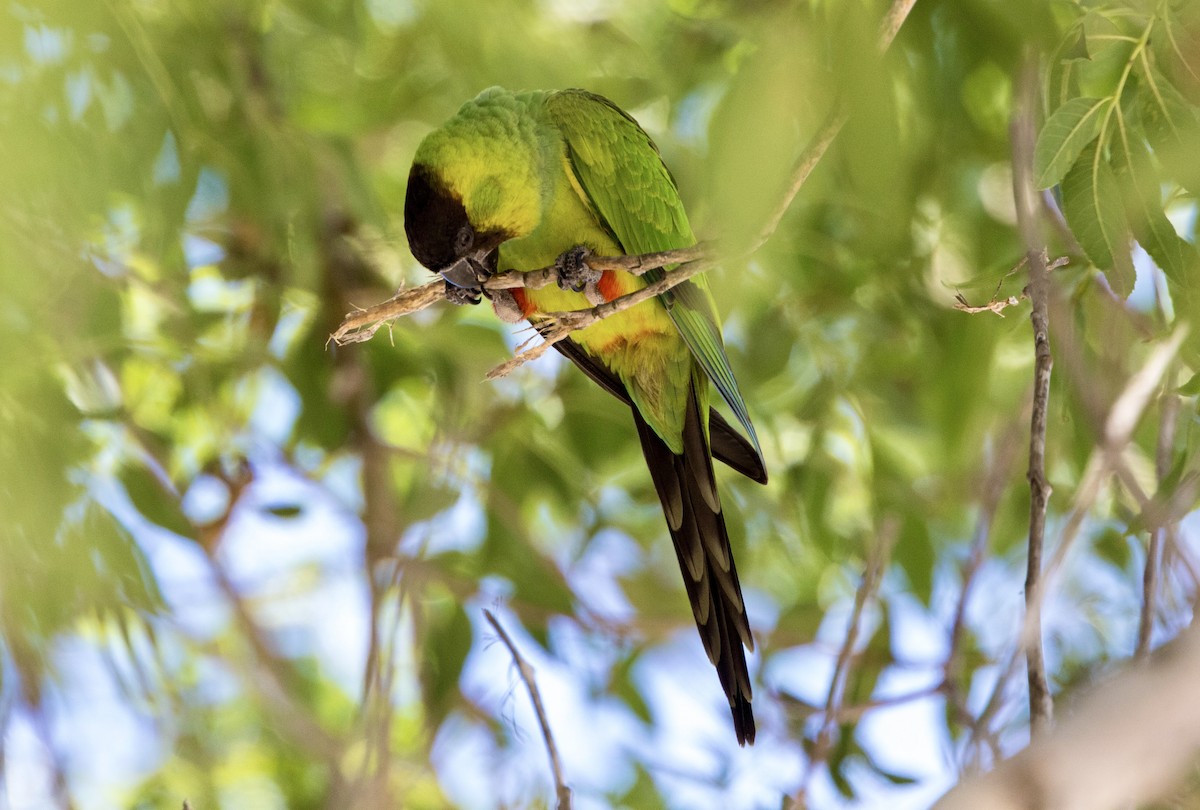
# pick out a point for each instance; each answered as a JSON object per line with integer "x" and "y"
{"x": 687, "y": 488}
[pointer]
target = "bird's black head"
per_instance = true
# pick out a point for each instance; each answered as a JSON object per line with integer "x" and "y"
{"x": 441, "y": 235}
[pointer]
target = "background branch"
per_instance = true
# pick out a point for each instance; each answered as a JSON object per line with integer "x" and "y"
{"x": 1164, "y": 451}
{"x": 1041, "y": 707}
{"x": 1125, "y": 744}
{"x": 527, "y": 675}
{"x": 878, "y": 557}
{"x": 361, "y": 325}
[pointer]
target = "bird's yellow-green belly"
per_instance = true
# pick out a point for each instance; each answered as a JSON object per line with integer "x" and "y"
{"x": 619, "y": 336}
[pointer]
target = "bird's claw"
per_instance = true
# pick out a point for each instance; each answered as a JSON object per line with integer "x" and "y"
{"x": 574, "y": 273}
{"x": 462, "y": 295}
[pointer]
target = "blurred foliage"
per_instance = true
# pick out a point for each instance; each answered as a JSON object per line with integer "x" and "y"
{"x": 193, "y": 194}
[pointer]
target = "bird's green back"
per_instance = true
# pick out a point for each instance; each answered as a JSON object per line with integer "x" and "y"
{"x": 619, "y": 170}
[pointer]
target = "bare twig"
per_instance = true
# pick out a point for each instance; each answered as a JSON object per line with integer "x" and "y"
{"x": 837, "y": 118}
{"x": 877, "y": 561}
{"x": 805, "y": 164}
{"x": 1122, "y": 418}
{"x": 1118, "y": 428}
{"x": 1041, "y": 707}
{"x": 1168, "y": 410}
{"x": 555, "y": 326}
{"x": 527, "y": 675}
{"x": 362, "y": 324}
{"x": 997, "y": 304}
{"x": 999, "y": 467}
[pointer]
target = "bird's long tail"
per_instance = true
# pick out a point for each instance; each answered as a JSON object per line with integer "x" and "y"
{"x": 688, "y": 491}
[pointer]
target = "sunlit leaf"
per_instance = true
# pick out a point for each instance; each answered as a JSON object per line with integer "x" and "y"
{"x": 1064, "y": 137}
{"x": 1091, "y": 202}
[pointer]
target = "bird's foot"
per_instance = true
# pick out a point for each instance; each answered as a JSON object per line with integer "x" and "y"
{"x": 574, "y": 273}
{"x": 506, "y": 306}
{"x": 462, "y": 295}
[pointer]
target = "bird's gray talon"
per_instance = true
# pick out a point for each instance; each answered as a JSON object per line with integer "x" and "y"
{"x": 574, "y": 273}
{"x": 462, "y": 295}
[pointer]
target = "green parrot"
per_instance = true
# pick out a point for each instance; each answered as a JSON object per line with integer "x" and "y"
{"x": 522, "y": 181}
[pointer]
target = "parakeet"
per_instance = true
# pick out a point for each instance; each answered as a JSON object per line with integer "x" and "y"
{"x": 522, "y": 181}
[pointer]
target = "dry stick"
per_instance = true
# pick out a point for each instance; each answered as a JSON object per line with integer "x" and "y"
{"x": 527, "y": 675}
{"x": 998, "y": 305}
{"x": 362, "y": 325}
{"x": 993, "y": 490}
{"x": 811, "y": 156}
{"x": 1168, "y": 409}
{"x": 557, "y": 325}
{"x": 1122, "y": 418}
{"x": 877, "y": 561}
{"x": 800, "y": 710}
{"x": 1041, "y": 707}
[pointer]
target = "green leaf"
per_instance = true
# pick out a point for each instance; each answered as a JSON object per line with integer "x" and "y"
{"x": 1190, "y": 388}
{"x": 1173, "y": 129}
{"x": 447, "y": 640}
{"x": 154, "y": 500}
{"x": 1091, "y": 203}
{"x": 285, "y": 511}
{"x": 1064, "y": 136}
{"x": 1140, "y": 186}
{"x": 1062, "y": 77}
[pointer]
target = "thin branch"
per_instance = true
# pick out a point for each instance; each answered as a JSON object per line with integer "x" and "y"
{"x": 800, "y": 710}
{"x": 805, "y": 164}
{"x": 997, "y": 304}
{"x": 527, "y": 675}
{"x": 877, "y": 562}
{"x": 1168, "y": 410}
{"x": 1122, "y": 418}
{"x": 999, "y": 469}
{"x": 837, "y": 118}
{"x": 361, "y": 325}
{"x": 1118, "y": 429}
{"x": 555, "y": 326}
{"x": 892, "y": 21}
{"x": 1041, "y": 707}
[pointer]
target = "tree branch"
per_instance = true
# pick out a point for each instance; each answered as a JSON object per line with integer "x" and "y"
{"x": 836, "y": 119}
{"x": 555, "y": 326}
{"x": 1041, "y": 707}
{"x": 877, "y": 561}
{"x": 362, "y": 325}
{"x": 527, "y": 675}
{"x": 999, "y": 469}
{"x": 1124, "y": 745}
{"x": 1119, "y": 423}
{"x": 997, "y": 304}
{"x": 1168, "y": 410}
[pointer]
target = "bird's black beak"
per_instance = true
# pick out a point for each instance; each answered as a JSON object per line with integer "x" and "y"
{"x": 471, "y": 270}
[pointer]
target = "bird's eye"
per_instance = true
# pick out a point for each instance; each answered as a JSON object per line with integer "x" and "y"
{"x": 464, "y": 240}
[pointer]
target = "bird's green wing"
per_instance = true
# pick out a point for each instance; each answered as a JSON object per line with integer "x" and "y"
{"x": 635, "y": 197}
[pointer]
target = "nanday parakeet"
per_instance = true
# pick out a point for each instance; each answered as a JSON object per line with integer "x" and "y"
{"x": 521, "y": 181}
